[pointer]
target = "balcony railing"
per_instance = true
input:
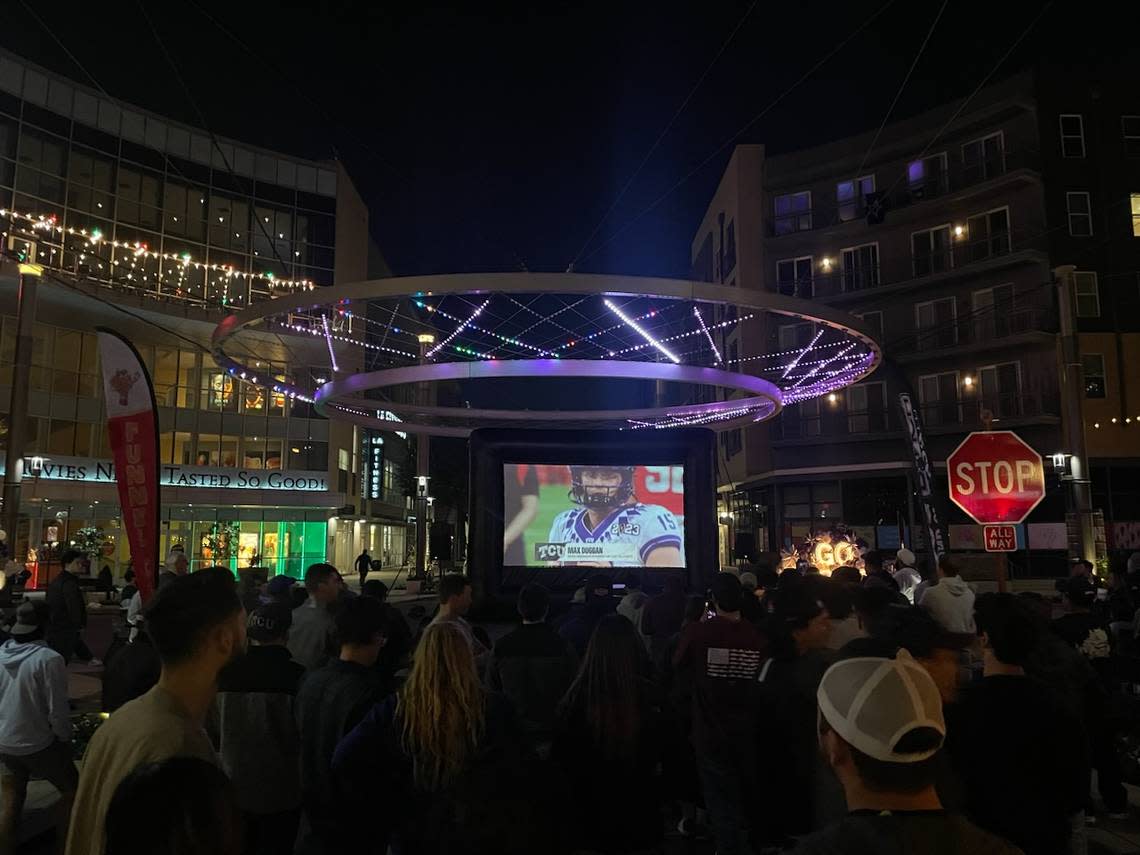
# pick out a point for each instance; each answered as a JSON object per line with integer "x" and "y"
{"x": 989, "y": 327}
{"x": 962, "y": 253}
{"x": 834, "y": 421}
{"x": 832, "y": 212}
{"x": 974, "y": 410}
{"x": 966, "y": 413}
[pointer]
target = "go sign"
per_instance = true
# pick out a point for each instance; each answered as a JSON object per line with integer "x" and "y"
{"x": 996, "y": 477}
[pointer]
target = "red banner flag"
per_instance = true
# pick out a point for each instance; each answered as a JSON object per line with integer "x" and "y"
{"x": 132, "y": 421}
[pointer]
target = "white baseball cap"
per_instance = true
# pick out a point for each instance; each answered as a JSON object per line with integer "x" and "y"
{"x": 872, "y": 703}
{"x": 905, "y": 557}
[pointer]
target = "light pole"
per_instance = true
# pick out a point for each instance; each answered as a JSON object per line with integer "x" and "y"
{"x": 1072, "y": 396}
{"x": 423, "y": 459}
{"x": 30, "y": 273}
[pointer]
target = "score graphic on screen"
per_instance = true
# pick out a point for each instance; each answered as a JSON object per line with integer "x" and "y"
{"x": 594, "y": 515}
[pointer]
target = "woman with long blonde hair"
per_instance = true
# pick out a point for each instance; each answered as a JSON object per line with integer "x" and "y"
{"x": 441, "y": 709}
{"x": 443, "y": 761}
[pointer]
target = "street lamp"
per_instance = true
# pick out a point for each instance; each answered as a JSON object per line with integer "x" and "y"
{"x": 1059, "y": 462}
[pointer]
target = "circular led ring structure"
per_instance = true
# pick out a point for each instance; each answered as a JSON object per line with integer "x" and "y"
{"x": 766, "y": 398}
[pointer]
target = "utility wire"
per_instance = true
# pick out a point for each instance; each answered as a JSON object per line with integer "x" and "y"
{"x": 731, "y": 139}
{"x": 668, "y": 126}
{"x": 902, "y": 86}
{"x": 205, "y": 125}
{"x": 1025, "y": 32}
{"x": 403, "y": 175}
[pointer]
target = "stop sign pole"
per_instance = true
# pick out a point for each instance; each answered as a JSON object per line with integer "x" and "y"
{"x": 997, "y": 478}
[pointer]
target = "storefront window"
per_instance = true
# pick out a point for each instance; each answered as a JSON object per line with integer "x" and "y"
{"x": 215, "y": 450}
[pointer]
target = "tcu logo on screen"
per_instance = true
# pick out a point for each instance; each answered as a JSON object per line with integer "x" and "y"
{"x": 549, "y": 551}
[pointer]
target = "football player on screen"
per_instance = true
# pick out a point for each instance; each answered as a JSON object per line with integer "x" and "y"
{"x": 609, "y": 514}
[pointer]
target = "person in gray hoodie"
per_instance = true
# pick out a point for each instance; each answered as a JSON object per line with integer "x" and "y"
{"x": 35, "y": 725}
{"x": 951, "y": 601}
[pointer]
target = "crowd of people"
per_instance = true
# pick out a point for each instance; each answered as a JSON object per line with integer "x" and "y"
{"x": 793, "y": 712}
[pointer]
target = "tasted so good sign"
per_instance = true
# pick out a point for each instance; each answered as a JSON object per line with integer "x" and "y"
{"x": 996, "y": 477}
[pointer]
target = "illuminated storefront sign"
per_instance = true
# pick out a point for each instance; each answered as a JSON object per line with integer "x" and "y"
{"x": 92, "y": 471}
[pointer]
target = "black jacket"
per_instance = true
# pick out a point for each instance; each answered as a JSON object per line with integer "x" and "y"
{"x": 580, "y": 622}
{"x": 67, "y": 610}
{"x": 252, "y": 725}
{"x": 1021, "y": 781}
{"x": 504, "y": 801}
{"x": 130, "y": 673}
{"x": 533, "y": 667}
{"x": 330, "y": 702}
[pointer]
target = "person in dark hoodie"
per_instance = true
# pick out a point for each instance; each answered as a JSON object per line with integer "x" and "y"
{"x": 67, "y": 608}
{"x": 330, "y": 702}
{"x": 662, "y": 617}
{"x": 1010, "y": 786}
{"x": 579, "y": 624}
{"x": 253, "y": 727}
{"x": 532, "y": 665}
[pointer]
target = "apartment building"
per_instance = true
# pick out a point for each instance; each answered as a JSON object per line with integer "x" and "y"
{"x": 942, "y": 237}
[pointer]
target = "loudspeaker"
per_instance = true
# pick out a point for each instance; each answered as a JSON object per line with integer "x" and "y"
{"x": 439, "y": 546}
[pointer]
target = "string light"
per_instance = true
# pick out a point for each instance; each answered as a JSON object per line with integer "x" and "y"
{"x": 328, "y": 341}
{"x": 708, "y": 335}
{"x": 95, "y": 237}
{"x": 634, "y": 325}
{"x": 457, "y": 330}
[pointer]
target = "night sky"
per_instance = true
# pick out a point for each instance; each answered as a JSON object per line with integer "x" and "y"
{"x": 494, "y": 136}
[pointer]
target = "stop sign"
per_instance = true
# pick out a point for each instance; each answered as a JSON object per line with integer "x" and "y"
{"x": 996, "y": 477}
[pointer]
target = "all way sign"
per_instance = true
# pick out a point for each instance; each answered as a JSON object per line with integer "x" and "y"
{"x": 1000, "y": 538}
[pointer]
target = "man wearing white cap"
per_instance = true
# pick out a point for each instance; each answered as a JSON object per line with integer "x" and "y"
{"x": 881, "y": 730}
{"x": 907, "y": 578}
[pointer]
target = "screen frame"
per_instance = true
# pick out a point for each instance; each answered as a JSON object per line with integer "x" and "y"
{"x": 493, "y": 449}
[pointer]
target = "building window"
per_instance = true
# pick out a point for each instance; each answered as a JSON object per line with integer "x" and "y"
{"x": 938, "y": 395}
{"x": 1088, "y": 294}
{"x": 795, "y": 336}
{"x": 927, "y": 177}
{"x": 987, "y": 235}
{"x": 1072, "y": 135}
{"x": 793, "y": 212}
{"x": 984, "y": 158}
{"x": 794, "y": 277}
{"x": 1080, "y": 214}
{"x": 874, "y": 322}
{"x": 1001, "y": 389}
{"x": 1130, "y": 127}
{"x": 861, "y": 267}
{"x": 931, "y": 250}
{"x": 729, "y": 250}
{"x": 995, "y": 315}
{"x": 1136, "y": 215}
{"x": 937, "y": 323}
{"x": 852, "y": 197}
{"x": 866, "y": 407}
{"x": 1093, "y": 365}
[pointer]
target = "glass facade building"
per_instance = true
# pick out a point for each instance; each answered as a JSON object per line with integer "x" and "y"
{"x": 182, "y": 227}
